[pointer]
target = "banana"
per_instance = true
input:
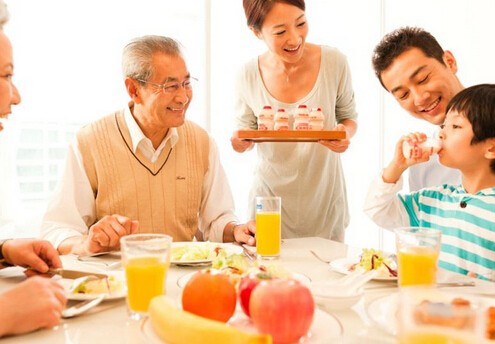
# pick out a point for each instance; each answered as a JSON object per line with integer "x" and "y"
{"x": 175, "y": 326}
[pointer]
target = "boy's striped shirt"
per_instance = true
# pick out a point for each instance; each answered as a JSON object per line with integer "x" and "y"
{"x": 467, "y": 223}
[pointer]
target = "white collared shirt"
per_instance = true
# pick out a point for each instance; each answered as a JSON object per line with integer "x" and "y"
{"x": 72, "y": 208}
{"x": 143, "y": 143}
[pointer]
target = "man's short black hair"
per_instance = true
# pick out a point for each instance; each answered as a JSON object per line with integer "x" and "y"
{"x": 401, "y": 40}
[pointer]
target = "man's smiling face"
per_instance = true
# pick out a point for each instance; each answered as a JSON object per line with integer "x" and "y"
{"x": 422, "y": 85}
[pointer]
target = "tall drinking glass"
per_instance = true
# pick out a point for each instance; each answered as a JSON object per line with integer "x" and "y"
{"x": 417, "y": 253}
{"x": 146, "y": 258}
{"x": 268, "y": 227}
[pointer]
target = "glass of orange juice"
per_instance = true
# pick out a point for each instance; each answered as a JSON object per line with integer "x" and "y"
{"x": 146, "y": 258}
{"x": 417, "y": 255}
{"x": 268, "y": 227}
{"x": 427, "y": 315}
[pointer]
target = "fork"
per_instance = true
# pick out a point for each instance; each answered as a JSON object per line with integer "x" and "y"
{"x": 247, "y": 252}
{"x": 319, "y": 258}
{"x": 82, "y": 307}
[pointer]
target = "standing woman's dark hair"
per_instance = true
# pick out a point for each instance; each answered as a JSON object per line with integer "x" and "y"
{"x": 256, "y": 10}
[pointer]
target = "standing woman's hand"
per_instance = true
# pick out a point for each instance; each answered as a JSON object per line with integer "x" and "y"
{"x": 338, "y": 146}
{"x": 240, "y": 146}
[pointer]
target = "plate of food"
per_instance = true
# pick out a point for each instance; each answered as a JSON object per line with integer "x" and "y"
{"x": 370, "y": 259}
{"x": 430, "y": 307}
{"x": 324, "y": 328}
{"x": 200, "y": 253}
{"x": 81, "y": 289}
{"x": 236, "y": 266}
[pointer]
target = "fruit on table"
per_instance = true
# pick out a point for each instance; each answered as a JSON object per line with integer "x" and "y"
{"x": 175, "y": 326}
{"x": 211, "y": 295}
{"x": 283, "y": 308}
{"x": 248, "y": 283}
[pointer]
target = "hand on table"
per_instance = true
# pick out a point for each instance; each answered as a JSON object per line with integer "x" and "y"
{"x": 105, "y": 234}
{"x": 35, "y": 303}
{"x": 239, "y": 145}
{"x": 244, "y": 233}
{"x": 39, "y": 254}
{"x": 338, "y": 146}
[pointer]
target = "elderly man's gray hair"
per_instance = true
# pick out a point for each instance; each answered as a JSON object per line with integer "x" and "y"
{"x": 137, "y": 55}
{"x": 4, "y": 14}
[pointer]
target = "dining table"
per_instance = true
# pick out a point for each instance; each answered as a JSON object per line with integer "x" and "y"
{"x": 109, "y": 322}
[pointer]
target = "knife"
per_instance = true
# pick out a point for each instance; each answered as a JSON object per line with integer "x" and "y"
{"x": 73, "y": 274}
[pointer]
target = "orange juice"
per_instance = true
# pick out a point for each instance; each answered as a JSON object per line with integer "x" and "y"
{"x": 438, "y": 338}
{"x": 417, "y": 265}
{"x": 268, "y": 234}
{"x": 145, "y": 279}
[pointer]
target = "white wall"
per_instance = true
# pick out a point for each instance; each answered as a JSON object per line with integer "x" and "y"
{"x": 67, "y": 57}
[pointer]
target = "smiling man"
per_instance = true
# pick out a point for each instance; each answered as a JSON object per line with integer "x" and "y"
{"x": 144, "y": 169}
{"x": 412, "y": 66}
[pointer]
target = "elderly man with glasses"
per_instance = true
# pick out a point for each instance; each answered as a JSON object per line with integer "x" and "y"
{"x": 144, "y": 169}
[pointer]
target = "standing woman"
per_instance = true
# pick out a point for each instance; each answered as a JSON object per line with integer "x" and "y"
{"x": 308, "y": 177}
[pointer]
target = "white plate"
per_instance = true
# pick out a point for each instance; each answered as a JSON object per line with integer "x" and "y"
{"x": 342, "y": 265}
{"x": 383, "y": 313}
{"x": 324, "y": 328}
{"x": 182, "y": 281}
{"x": 229, "y": 248}
{"x": 67, "y": 283}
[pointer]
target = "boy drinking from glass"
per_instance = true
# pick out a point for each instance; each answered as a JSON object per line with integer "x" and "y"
{"x": 465, "y": 213}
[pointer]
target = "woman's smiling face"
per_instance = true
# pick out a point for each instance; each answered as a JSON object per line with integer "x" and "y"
{"x": 284, "y": 31}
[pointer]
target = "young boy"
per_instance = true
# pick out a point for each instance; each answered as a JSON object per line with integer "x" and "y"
{"x": 464, "y": 213}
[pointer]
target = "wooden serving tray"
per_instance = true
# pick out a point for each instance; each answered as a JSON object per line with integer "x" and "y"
{"x": 290, "y": 135}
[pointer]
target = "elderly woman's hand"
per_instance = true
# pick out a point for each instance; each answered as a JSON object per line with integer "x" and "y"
{"x": 38, "y": 254}
{"x": 33, "y": 304}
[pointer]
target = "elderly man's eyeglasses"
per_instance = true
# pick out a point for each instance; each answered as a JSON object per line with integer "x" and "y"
{"x": 173, "y": 86}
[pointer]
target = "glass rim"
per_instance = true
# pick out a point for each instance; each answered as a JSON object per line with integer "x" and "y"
{"x": 268, "y": 198}
{"x": 420, "y": 231}
{"x": 136, "y": 237}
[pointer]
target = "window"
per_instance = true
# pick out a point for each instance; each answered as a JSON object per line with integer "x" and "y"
{"x": 67, "y": 69}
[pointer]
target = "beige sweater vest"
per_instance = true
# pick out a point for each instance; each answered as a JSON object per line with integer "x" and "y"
{"x": 163, "y": 196}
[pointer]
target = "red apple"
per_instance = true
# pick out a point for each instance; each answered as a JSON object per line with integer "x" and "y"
{"x": 282, "y": 308}
{"x": 246, "y": 288}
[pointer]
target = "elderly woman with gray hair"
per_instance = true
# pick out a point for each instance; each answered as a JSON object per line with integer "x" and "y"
{"x": 37, "y": 302}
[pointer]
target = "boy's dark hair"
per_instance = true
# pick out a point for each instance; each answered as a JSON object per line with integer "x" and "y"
{"x": 477, "y": 104}
{"x": 400, "y": 40}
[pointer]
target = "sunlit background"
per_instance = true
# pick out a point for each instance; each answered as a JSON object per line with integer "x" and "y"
{"x": 67, "y": 68}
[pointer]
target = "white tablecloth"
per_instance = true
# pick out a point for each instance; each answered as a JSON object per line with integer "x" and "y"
{"x": 108, "y": 323}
